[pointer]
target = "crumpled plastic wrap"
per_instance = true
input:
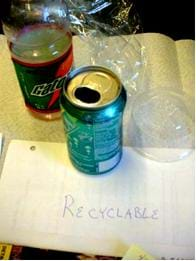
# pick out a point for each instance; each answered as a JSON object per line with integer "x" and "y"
{"x": 105, "y": 26}
{"x": 112, "y": 17}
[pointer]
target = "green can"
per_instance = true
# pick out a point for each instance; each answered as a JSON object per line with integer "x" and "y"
{"x": 92, "y": 105}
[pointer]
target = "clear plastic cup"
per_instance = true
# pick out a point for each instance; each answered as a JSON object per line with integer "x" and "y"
{"x": 162, "y": 125}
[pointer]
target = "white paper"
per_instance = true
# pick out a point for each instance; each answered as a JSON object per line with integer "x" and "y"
{"x": 46, "y": 203}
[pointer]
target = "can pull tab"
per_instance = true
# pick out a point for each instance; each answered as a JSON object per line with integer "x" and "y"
{"x": 87, "y": 95}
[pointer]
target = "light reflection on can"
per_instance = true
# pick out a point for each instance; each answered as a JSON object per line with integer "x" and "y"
{"x": 92, "y": 105}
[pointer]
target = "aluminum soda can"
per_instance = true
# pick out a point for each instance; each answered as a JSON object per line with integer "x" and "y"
{"x": 92, "y": 104}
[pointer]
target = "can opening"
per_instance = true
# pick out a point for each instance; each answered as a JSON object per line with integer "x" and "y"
{"x": 87, "y": 95}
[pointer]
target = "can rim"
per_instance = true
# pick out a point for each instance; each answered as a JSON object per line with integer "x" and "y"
{"x": 91, "y": 68}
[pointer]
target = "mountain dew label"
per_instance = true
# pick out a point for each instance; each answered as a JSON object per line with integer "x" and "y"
{"x": 42, "y": 67}
{"x": 94, "y": 148}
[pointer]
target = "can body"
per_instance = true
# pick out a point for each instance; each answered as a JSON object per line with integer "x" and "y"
{"x": 92, "y": 116}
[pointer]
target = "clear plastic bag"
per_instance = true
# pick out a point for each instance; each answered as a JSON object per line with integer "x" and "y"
{"x": 108, "y": 29}
{"x": 111, "y": 17}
